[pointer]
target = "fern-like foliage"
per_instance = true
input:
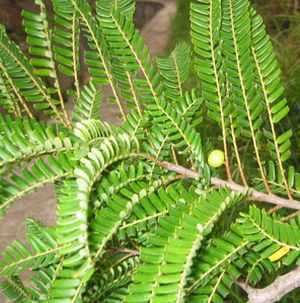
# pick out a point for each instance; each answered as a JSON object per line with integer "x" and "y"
{"x": 88, "y": 104}
{"x": 175, "y": 70}
{"x": 165, "y": 265}
{"x": 37, "y": 30}
{"x": 258, "y": 244}
{"x": 66, "y": 40}
{"x": 17, "y": 257}
{"x": 272, "y": 92}
{"x": 130, "y": 225}
{"x": 40, "y": 173}
{"x": 23, "y": 79}
{"x": 25, "y": 139}
{"x": 107, "y": 281}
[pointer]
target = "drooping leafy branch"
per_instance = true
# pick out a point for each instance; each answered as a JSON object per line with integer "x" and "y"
{"x": 141, "y": 216}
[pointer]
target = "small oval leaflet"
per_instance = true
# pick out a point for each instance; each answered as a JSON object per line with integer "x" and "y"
{"x": 281, "y": 252}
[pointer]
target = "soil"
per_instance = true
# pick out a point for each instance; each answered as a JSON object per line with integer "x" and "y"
{"x": 41, "y": 204}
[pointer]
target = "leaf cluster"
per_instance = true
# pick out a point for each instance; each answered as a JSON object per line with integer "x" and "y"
{"x": 128, "y": 229}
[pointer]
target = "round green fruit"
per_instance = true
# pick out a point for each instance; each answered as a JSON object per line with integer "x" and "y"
{"x": 216, "y": 158}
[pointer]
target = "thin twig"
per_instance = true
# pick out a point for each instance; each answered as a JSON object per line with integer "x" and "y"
{"x": 127, "y": 251}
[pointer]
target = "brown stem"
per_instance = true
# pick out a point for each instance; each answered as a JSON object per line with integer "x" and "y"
{"x": 275, "y": 291}
{"x": 251, "y": 193}
{"x": 129, "y": 252}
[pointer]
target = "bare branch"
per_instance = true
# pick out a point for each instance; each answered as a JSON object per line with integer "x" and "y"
{"x": 275, "y": 291}
{"x": 248, "y": 191}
